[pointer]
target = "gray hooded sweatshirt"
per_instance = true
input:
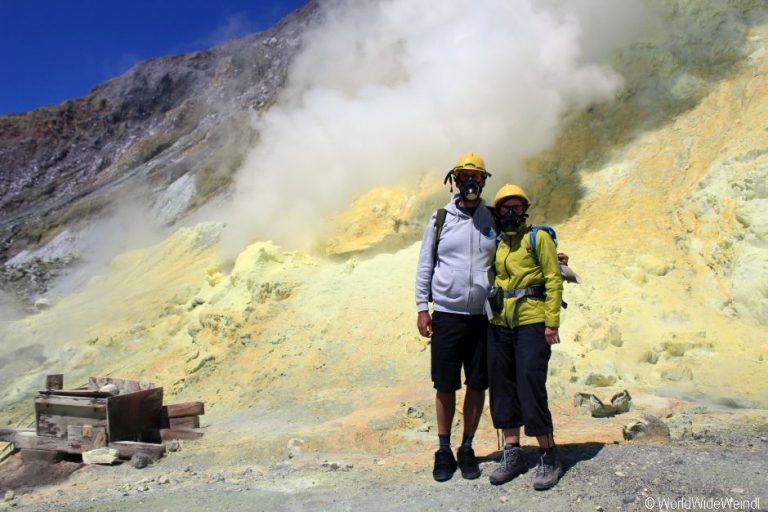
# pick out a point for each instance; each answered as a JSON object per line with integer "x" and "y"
{"x": 463, "y": 272}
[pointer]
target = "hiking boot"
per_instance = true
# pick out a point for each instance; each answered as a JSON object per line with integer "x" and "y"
{"x": 512, "y": 464}
{"x": 445, "y": 465}
{"x": 468, "y": 465}
{"x": 547, "y": 475}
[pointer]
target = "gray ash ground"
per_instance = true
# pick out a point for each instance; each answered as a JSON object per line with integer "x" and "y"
{"x": 731, "y": 464}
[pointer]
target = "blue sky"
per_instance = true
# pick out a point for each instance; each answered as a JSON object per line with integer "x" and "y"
{"x": 54, "y": 50}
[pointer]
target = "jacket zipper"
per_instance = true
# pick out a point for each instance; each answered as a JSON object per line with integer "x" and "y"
{"x": 509, "y": 280}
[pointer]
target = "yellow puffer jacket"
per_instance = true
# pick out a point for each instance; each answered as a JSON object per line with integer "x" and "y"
{"x": 517, "y": 268}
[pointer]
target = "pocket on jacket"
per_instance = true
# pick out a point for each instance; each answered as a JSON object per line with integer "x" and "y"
{"x": 445, "y": 284}
{"x": 481, "y": 285}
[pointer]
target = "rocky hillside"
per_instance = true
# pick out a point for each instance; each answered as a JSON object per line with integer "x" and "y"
{"x": 171, "y": 132}
{"x": 657, "y": 191}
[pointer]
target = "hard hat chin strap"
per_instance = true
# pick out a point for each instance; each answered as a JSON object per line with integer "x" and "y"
{"x": 449, "y": 179}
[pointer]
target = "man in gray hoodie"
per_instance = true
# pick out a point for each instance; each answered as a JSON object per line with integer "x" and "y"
{"x": 455, "y": 269}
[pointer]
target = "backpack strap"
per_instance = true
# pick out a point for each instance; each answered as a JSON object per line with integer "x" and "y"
{"x": 551, "y": 231}
{"x": 532, "y": 234}
{"x": 439, "y": 221}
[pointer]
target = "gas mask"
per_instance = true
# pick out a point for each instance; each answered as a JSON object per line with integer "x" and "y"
{"x": 469, "y": 189}
{"x": 511, "y": 222}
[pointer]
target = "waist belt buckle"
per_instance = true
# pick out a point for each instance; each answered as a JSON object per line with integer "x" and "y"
{"x": 537, "y": 291}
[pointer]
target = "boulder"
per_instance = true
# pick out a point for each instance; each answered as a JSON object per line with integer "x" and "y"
{"x": 100, "y": 456}
{"x": 620, "y": 403}
{"x": 140, "y": 460}
{"x": 595, "y": 406}
{"x": 646, "y": 426}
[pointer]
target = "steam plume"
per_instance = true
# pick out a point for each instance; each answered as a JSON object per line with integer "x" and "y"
{"x": 385, "y": 90}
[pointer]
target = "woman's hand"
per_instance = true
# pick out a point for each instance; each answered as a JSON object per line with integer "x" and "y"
{"x": 562, "y": 258}
{"x": 551, "y": 335}
{"x": 424, "y": 323}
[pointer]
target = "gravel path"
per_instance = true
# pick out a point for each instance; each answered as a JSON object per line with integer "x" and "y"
{"x": 627, "y": 476}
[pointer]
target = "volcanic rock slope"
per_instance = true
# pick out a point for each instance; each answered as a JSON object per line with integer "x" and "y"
{"x": 659, "y": 197}
{"x": 168, "y": 119}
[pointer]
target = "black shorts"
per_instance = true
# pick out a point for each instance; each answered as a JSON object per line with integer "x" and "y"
{"x": 459, "y": 340}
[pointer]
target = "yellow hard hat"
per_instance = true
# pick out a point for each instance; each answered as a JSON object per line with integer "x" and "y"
{"x": 471, "y": 162}
{"x": 509, "y": 190}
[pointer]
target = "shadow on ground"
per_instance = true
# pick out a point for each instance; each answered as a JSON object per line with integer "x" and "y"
{"x": 570, "y": 454}
{"x": 23, "y": 477}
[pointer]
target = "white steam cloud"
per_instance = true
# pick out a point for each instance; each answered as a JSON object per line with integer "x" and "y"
{"x": 386, "y": 90}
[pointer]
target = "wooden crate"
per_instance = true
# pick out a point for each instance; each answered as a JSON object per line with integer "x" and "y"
{"x": 55, "y": 413}
{"x": 133, "y": 416}
{"x": 79, "y": 420}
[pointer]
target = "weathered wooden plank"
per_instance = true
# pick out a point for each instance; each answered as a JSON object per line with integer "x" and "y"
{"x": 6, "y": 450}
{"x": 7, "y": 434}
{"x": 86, "y": 437}
{"x": 127, "y": 449}
{"x": 55, "y": 381}
{"x": 185, "y": 409}
{"x": 123, "y": 385}
{"x": 56, "y": 425}
{"x": 55, "y": 413}
{"x": 31, "y": 454}
{"x": 180, "y": 433}
{"x": 184, "y": 422}
{"x": 29, "y": 439}
{"x": 76, "y": 392}
{"x": 134, "y": 416}
{"x": 83, "y": 402}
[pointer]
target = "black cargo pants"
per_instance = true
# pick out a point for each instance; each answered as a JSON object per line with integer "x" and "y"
{"x": 518, "y": 359}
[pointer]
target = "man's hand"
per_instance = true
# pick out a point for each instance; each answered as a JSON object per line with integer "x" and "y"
{"x": 550, "y": 334}
{"x": 562, "y": 258}
{"x": 424, "y": 323}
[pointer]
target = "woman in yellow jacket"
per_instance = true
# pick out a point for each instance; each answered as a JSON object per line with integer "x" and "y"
{"x": 525, "y": 303}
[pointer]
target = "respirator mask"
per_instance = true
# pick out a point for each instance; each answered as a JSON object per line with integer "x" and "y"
{"x": 511, "y": 221}
{"x": 469, "y": 189}
{"x": 470, "y": 184}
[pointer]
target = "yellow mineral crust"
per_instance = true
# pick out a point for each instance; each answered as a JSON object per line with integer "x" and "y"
{"x": 668, "y": 231}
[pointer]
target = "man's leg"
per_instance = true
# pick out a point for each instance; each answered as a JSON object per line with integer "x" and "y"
{"x": 445, "y": 409}
{"x": 475, "y": 362}
{"x": 473, "y": 409}
{"x": 446, "y": 371}
{"x": 446, "y": 376}
{"x": 445, "y": 462}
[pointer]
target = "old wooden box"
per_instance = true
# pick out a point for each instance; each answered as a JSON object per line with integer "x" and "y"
{"x": 132, "y": 415}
